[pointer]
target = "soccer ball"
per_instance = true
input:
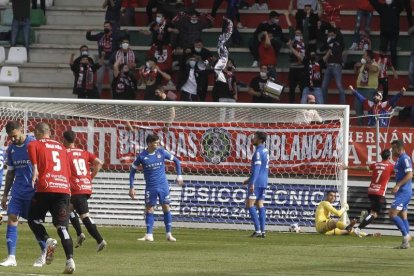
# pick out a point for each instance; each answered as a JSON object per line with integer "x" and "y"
{"x": 295, "y": 228}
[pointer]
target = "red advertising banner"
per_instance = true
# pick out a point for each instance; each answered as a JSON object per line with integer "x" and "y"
{"x": 226, "y": 148}
{"x": 362, "y": 144}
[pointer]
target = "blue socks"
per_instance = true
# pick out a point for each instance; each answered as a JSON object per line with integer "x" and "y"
{"x": 167, "y": 221}
{"x": 11, "y": 238}
{"x": 407, "y": 226}
{"x": 149, "y": 221}
{"x": 262, "y": 218}
{"x": 400, "y": 224}
{"x": 255, "y": 218}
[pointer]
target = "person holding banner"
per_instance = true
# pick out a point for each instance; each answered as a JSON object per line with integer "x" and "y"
{"x": 257, "y": 184}
{"x": 324, "y": 224}
{"x": 402, "y": 190}
{"x": 156, "y": 184}
{"x": 381, "y": 173}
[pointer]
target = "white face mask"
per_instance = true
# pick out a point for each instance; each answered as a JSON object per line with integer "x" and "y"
{"x": 84, "y": 53}
{"x": 329, "y": 39}
{"x": 363, "y": 61}
{"x": 147, "y": 64}
{"x": 298, "y": 37}
{"x": 124, "y": 46}
{"x": 388, "y": 2}
{"x": 263, "y": 75}
{"x": 197, "y": 50}
{"x": 158, "y": 19}
{"x": 192, "y": 63}
{"x": 194, "y": 21}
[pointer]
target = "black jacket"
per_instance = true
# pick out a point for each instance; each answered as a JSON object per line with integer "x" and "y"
{"x": 185, "y": 74}
{"x": 389, "y": 15}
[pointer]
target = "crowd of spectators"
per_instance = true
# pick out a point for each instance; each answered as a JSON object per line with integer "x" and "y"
{"x": 178, "y": 60}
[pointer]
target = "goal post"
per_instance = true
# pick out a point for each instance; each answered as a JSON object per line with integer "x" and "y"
{"x": 214, "y": 143}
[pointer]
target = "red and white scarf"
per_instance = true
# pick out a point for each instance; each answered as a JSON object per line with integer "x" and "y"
{"x": 129, "y": 58}
{"x": 106, "y": 43}
{"x": 88, "y": 74}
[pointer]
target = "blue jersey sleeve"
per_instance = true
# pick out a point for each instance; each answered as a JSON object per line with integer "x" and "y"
{"x": 256, "y": 164}
{"x": 407, "y": 164}
{"x": 132, "y": 171}
{"x": 9, "y": 159}
{"x": 2, "y": 160}
{"x": 168, "y": 156}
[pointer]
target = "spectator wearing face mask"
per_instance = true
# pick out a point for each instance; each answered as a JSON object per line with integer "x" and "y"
{"x": 314, "y": 80}
{"x": 367, "y": 81}
{"x": 83, "y": 51}
{"x": 297, "y": 72}
{"x": 152, "y": 76}
{"x": 168, "y": 7}
{"x": 108, "y": 44}
{"x": 160, "y": 30}
{"x": 124, "y": 85}
{"x": 272, "y": 27}
{"x": 84, "y": 73}
{"x": 389, "y": 25}
{"x": 307, "y": 22}
{"x": 188, "y": 82}
{"x": 257, "y": 85}
{"x": 125, "y": 55}
{"x": 204, "y": 59}
{"x": 190, "y": 27}
{"x": 333, "y": 60}
{"x": 377, "y": 106}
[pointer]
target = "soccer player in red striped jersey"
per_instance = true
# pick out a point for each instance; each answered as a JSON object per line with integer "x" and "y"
{"x": 51, "y": 176}
{"x": 381, "y": 173}
{"x": 80, "y": 162}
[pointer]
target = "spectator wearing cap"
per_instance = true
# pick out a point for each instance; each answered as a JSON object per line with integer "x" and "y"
{"x": 152, "y": 76}
{"x": 333, "y": 59}
{"x": 367, "y": 82}
{"x": 271, "y": 26}
{"x": 377, "y": 106}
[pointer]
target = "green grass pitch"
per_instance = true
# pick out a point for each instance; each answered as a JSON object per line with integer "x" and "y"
{"x": 218, "y": 252}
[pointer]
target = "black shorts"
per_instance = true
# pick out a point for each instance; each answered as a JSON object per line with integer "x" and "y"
{"x": 55, "y": 203}
{"x": 377, "y": 203}
{"x": 80, "y": 203}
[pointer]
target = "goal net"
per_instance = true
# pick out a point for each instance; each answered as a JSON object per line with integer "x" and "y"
{"x": 214, "y": 143}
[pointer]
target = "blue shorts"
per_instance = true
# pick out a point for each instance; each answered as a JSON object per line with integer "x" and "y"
{"x": 163, "y": 194}
{"x": 258, "y": 194}
{"x": 401, "y": 202}
{"x": 19, "y": 207}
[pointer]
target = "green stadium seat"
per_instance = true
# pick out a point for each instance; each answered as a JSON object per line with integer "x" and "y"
{"x": 7, "y": 17}
{"x": 37, "y": 18}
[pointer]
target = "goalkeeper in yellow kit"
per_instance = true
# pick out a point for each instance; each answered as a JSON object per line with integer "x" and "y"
{"x": 324, "y": 224}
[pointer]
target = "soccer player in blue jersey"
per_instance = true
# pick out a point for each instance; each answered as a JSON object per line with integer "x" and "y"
{"x": 257, "y": 184}
{"x": 402, "y": 191}
{"x": 156, "y": 185}
{"x": 2, "y": 159}
{"x": 19, "y": 181}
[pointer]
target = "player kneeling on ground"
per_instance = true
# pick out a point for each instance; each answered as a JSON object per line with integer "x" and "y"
{"x": 323, "y": 222}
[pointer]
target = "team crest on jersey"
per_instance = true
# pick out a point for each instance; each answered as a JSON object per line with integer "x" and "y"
{"x": 158, "y": 156}
{"x": 216, "y": 145}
